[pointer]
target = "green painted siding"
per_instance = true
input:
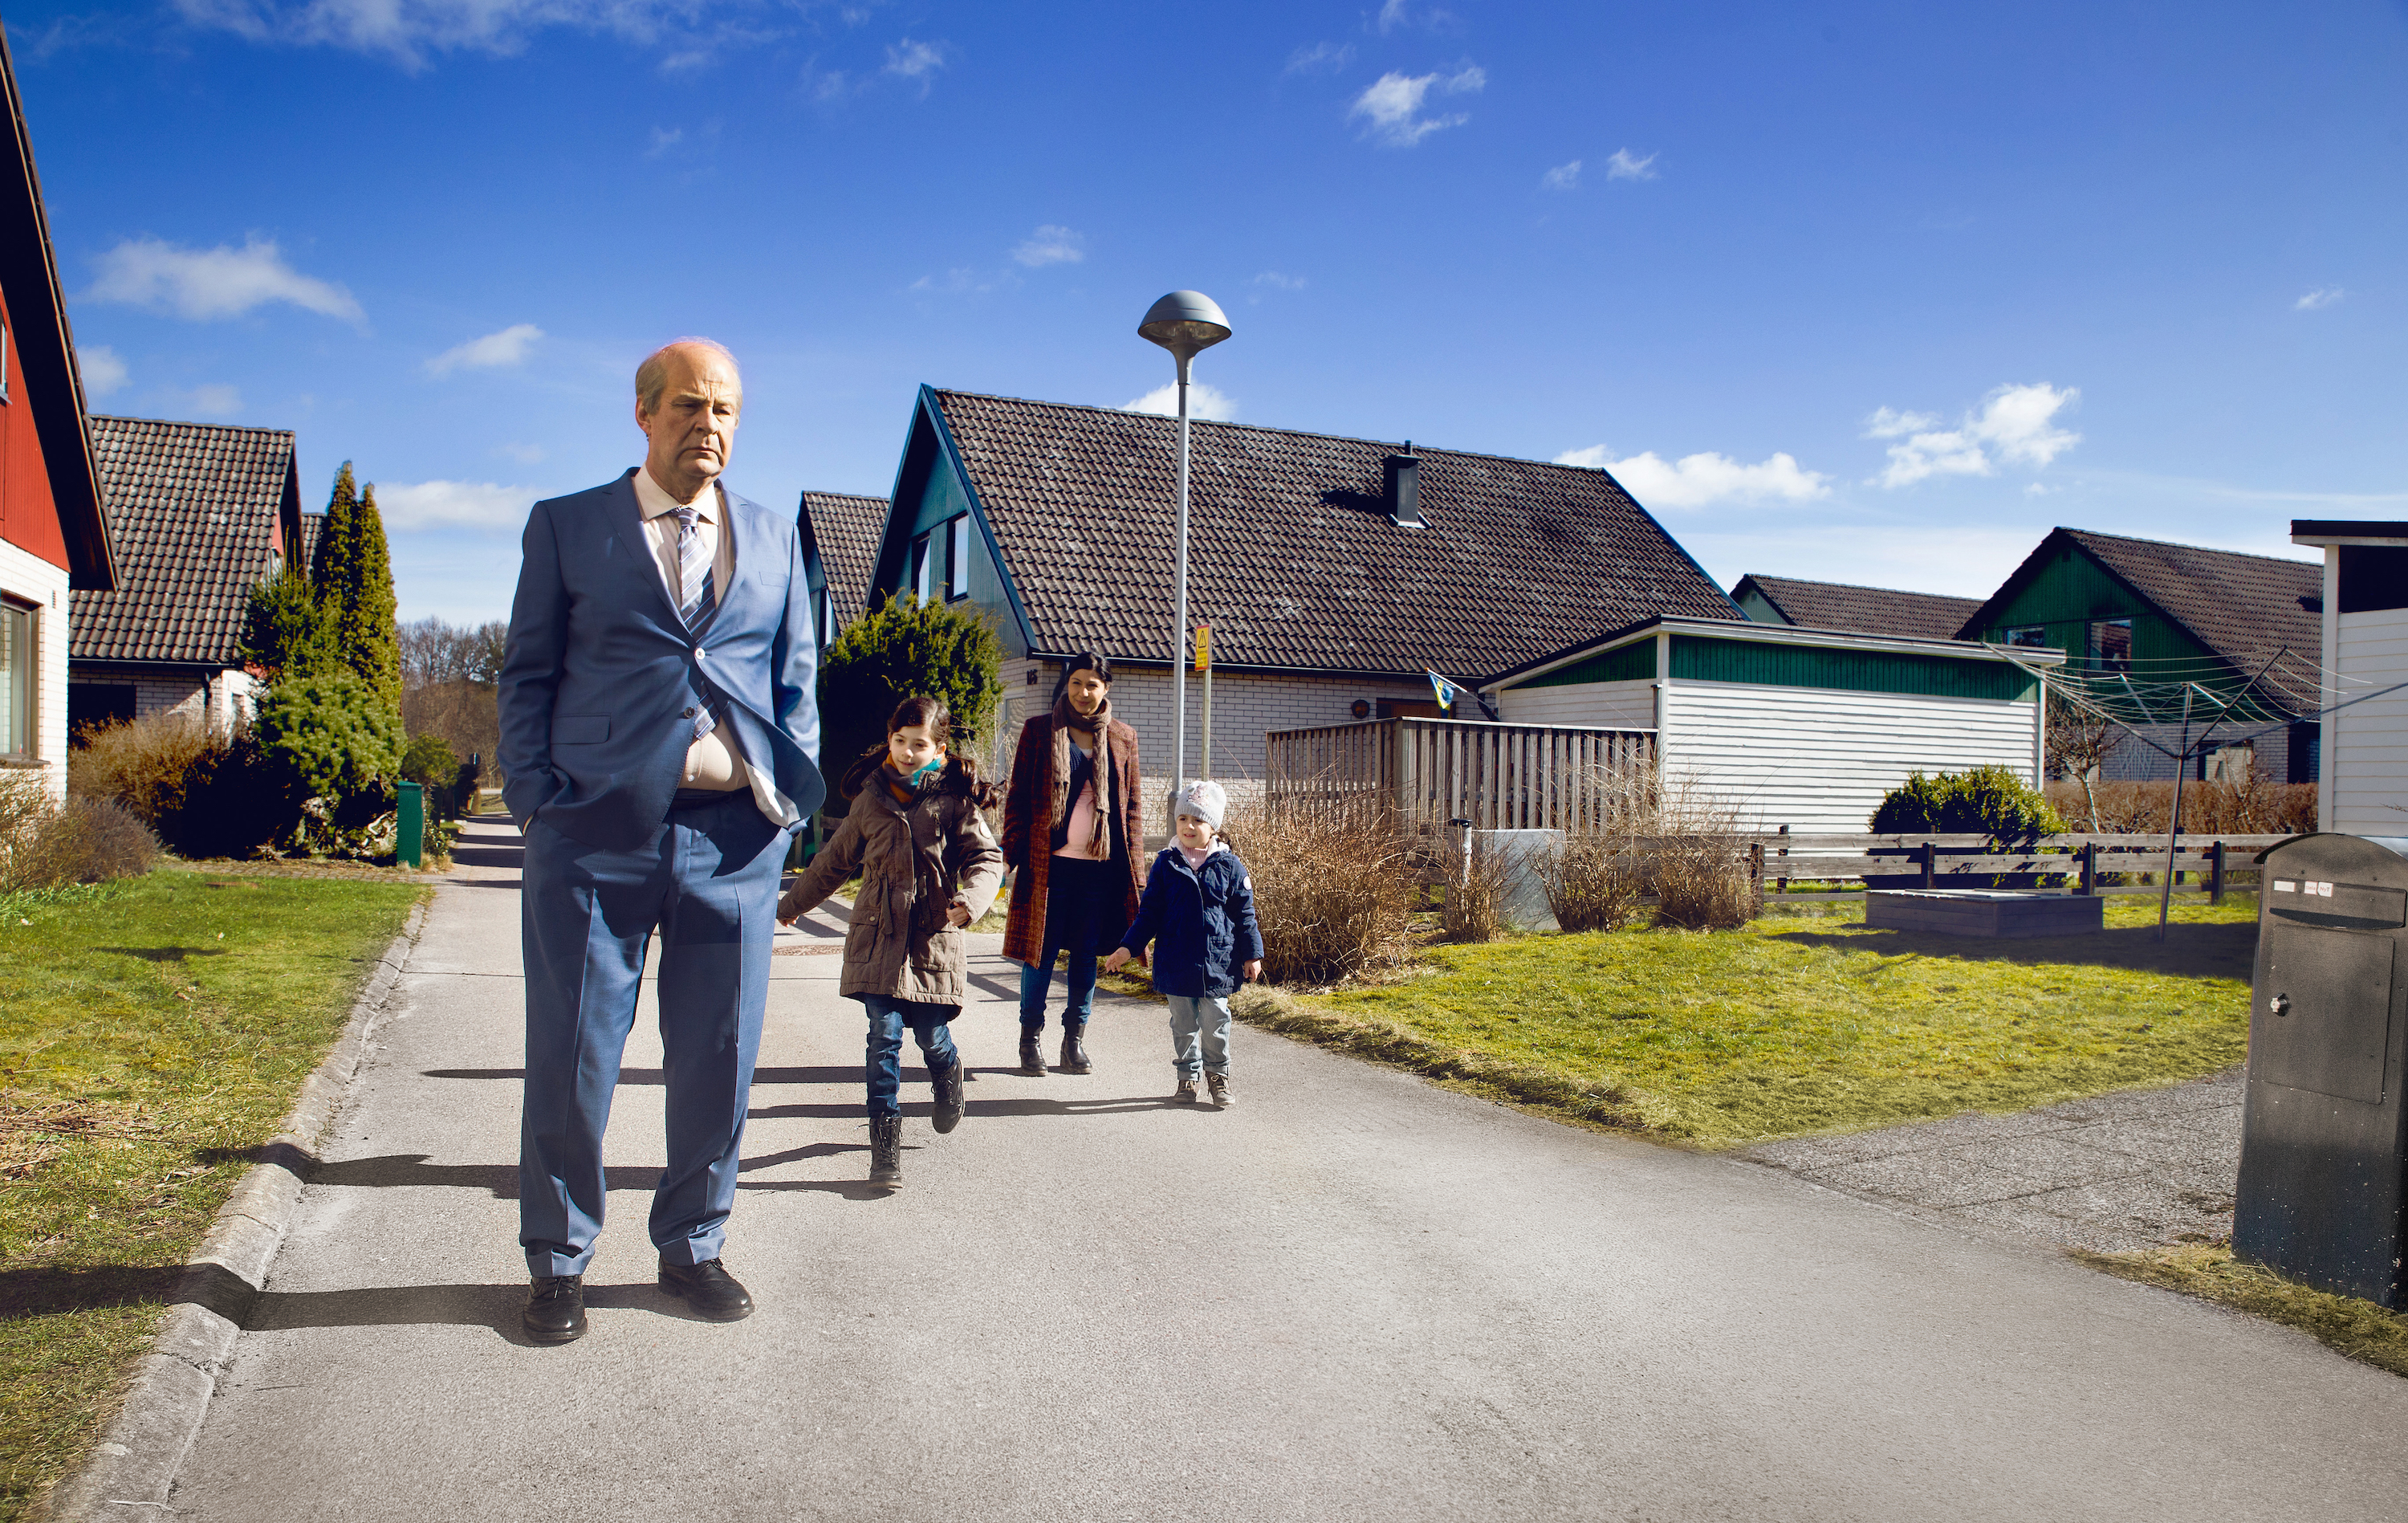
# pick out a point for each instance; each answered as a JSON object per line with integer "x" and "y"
{"x": 2070, "y": 594}
{"x": 1621, "y": 664}
{"x": 942, "y": 500}
{"x": 1699, "y": 658}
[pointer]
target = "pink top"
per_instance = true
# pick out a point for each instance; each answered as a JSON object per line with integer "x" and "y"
{"x": 1194, "y": 859}
{"x": 1085, "y": 840}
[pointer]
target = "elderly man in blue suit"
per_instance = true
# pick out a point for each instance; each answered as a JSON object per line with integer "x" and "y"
{"x": 660, "y": 740}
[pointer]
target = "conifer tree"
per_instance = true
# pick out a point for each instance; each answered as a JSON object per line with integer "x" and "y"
{"x": 334, "y": 536}
{"x": 286, "y": 630}
{"x": 370, "y": 642}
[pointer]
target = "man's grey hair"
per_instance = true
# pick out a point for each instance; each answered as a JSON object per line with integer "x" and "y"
{"x": 652, "y": 376}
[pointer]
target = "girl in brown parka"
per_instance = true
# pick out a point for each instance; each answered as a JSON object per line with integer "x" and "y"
{"x": 929, "y": 867}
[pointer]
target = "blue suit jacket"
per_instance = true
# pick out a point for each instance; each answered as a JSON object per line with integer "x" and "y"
{"x": 600, "y": 678}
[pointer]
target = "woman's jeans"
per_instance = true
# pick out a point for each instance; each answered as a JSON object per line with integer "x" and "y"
{"x": 1083, "y": 904}
{"x": 1191, "y": 1014}
{"x": 883, "y": 1057}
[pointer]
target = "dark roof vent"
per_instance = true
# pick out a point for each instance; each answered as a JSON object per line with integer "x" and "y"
{"x": 1404, "y": 488}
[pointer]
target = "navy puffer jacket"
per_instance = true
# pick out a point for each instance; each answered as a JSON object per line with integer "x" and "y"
{"x": 1201, "y": 922}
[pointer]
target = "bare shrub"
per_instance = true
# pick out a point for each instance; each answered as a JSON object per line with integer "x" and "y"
{"x": 88, "y": 840}
{"x": 1702, "y": 883}
{"x": 1331, "y": 891}
{"x": 1474, "y": 907}
{"x": 2253, "y": 806}
{"x": 152, "y": 766}
{"x": 1593, "y": 882}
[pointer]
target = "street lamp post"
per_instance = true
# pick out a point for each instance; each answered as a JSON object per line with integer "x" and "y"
{"x": 1184, "y": 323}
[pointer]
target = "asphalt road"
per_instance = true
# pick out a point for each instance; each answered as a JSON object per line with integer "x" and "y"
{"x": 1350, "y": 1296}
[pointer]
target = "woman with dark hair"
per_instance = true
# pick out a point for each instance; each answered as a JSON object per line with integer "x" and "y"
{"x": 1073, "y": 826}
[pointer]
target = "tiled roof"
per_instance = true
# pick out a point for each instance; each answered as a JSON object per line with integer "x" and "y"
{"x": 846, "y": 528}
{"x": 2244, "y": 607}
{"x": 1293, "y": 555}
{"x": 312, "y": 525}
{"x": 1871, "y": 611}
{"x": 191, "y": 511}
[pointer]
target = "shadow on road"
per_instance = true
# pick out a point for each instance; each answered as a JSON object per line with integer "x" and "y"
{"x": 652, "y": 1076}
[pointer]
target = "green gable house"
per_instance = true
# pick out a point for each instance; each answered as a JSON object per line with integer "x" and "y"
{"x": 1864, "y": 611}
{"x": 1781, "y": 725}
{"x": 1335, "y": 572}
{"x": 2162, "y": 613}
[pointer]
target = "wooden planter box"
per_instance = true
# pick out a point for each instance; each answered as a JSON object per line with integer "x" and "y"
{"x": 1975, "y": 912}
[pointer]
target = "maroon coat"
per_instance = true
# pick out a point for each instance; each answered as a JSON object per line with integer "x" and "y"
{"x": 1038, "y": 795}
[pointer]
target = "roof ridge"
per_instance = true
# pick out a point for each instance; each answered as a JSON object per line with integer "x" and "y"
{"x": 1854, "y": 586}
{"x": 2180, "y": 544}
{"x": 185, "y": 423}
{"x": 1270, "y": 428}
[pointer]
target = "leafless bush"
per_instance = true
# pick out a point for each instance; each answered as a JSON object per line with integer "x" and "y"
{"x": 1474, "y": 907}
{"x": 2252, "y": 806}
{"x": 1702, "y": 883}
{"x": 463, "y": 713}
{"x": 152, "y": 766}
{"x": 1331, "y": 891}
{"x": 88, "y": 840}
{"x": 1593, "y": 883}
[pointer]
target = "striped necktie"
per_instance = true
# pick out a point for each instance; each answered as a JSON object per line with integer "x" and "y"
{"x": 697, "y": 600}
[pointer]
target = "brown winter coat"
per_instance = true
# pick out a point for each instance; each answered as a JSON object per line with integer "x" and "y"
{"x": 1039, "y": 797}
{"x": 916, "y": 860}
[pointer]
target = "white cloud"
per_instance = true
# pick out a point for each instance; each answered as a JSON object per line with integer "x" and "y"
{"x": 203, "y": 284}
{"x": 427, "y": 505}
{"x": 2014, "y": 425}
{"x": 103, "y": 371}
{"x": 1397, "y": 13}
{"x": 1698, "y": 481}
{"x": 1051, "y": 245}
{"x": 917, "y": 62}
{"x": 961, "y": 281}
{"x": 1563, "y": 177}
{"x": 1202, "y": 402}
{"x": 525, "y": 455}
{"x": 1392, "y": 106}
{"x": 407, "y": 31}
{"x": 1882, "y": 422}
{"x": 1320, "y": 57}
{"x": 205, "y": 401}
{"x": 1623, "y": 166}
{"x": 665, "y": 139}
{"x": 1280, "y": 283}
{"x": 2318, "y": 299}
{"x": 494, "y": 351}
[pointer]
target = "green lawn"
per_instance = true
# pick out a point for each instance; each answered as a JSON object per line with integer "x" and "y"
{"x": 1806, "y": 1023}
{"x": 151, "y": 1035}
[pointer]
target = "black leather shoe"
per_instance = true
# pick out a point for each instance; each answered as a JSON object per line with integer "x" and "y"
{"x": 708, "y": 1288}
{"x": 1074, "y": 1049}
{"x": 948, "y": 1087}
{"x": 886, "y": 1151}
{"x": 1032, "y": 1058}
{"x": 555, "y": 1309}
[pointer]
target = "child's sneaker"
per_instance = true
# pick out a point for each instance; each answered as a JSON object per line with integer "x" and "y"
{"x": 1219, "y": 1085}
{"x": 1185, "y": 1094}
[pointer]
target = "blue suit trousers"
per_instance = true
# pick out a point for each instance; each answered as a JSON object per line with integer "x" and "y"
{"x": 708, "y": 881}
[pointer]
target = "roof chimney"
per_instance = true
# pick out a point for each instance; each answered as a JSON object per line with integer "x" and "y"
{"x": 1404, "y": 488}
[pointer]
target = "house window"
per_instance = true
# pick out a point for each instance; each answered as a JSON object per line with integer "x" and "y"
{"x": 957, "y": 558}
{"x": 824, "y": 614}
{"x": 920, "y": 567}
{"x": 17, "y": 680}
{"x": 4, "y": 360}
{"x": 2031, "y": 635}
{"x": 2110, "y": 645}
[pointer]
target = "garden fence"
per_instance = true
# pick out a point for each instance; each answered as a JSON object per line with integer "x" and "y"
{"x": 1436, "y": 772}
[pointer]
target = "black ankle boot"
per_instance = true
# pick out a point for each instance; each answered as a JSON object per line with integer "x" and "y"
{"x": 947, "y": 1088}
{"x": 1074, "y": 1048}
{"x": 886, "y": 1151}
{"x": 1032, "y": 1060}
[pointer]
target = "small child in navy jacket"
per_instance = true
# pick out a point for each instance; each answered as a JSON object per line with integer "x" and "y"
{"x": 1198, "y": 912}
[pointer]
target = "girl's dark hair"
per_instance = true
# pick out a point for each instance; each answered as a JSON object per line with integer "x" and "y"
{"x": 961, "y": 772}
{"x": 1084, "y": 661}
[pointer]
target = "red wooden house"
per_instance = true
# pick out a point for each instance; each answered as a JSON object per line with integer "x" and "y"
{"x": 53, "y": 536}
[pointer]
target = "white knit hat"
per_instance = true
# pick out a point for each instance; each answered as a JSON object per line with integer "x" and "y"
{"x": 1207, "y": 801}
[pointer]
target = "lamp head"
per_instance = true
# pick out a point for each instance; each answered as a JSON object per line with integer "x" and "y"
{"x": 1184, "y": 323}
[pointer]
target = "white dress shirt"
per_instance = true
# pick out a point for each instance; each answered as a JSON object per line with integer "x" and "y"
{"x": 717, "y": 760}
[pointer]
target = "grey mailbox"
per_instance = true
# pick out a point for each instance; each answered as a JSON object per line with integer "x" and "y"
{"x": 2325, "y": 1132}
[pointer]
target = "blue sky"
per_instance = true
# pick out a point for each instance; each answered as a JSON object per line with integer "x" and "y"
{"x": 1867, "y": 292}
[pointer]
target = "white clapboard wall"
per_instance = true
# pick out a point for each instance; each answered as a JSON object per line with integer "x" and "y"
{"x": 1820, "y": 759}
{"x": 2366, "y": 744}
{"x": 1613, "y": 706}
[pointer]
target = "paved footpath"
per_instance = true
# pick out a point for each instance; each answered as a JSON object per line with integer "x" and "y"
{"x": 1351, "y": 1296}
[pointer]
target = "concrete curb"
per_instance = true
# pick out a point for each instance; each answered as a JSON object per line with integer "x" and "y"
{"x": 135, "y": 1464}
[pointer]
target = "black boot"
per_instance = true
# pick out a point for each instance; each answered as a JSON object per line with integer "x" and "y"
{"x": 1074, "y": 1048}
{"x": 1032, "y": 1061}
{"x": 947, "y": 1088}
{"x": 886, "y": 1151}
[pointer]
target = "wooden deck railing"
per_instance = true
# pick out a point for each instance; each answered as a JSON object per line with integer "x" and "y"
{"x": 1435, "y": 772}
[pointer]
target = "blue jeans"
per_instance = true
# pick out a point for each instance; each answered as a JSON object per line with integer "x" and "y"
{"x": 1084, "y": 903}
{"x": 1192, "y": 1014}
{"x": 883, "y": 1055}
